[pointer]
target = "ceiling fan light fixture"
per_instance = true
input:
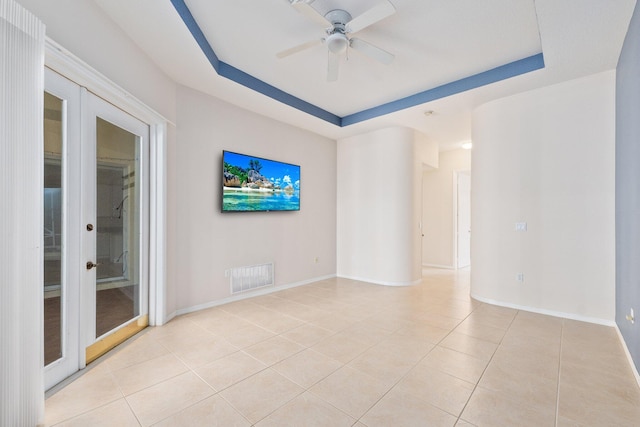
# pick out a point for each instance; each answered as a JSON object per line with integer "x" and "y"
{"x": 337, "y": 43}
{"x": 338, "y": 23}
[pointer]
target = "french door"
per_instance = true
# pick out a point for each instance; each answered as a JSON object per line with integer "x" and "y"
{"x": 96, "y": 227}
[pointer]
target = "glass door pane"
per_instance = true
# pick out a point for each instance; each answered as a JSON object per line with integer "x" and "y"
{"x": 115, "y": 244}
{"x": 117, "y": 226}
{"x": 53, "y": 229}
{"x": 61, "y": 228}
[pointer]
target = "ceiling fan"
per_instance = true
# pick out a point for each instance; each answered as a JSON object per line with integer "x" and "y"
{"x": 339, "y": 25}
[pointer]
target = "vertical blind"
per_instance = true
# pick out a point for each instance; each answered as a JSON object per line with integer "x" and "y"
{"x": 21, "y": 118}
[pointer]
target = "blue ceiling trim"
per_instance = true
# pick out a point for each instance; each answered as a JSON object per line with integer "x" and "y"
{"x": 503, "y": 72}
{"x": 223, "y": 69}
{"x": 196, "y": 32}
{"x": 247, "y": 80}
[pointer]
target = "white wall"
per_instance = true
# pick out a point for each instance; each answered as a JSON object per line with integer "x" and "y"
{"x": 379, "y": 205}
{"x": 426, "y": 152}
{"x": 546, "y": 157}
{"x": 82, "y": 27}
{"x": 438, "y": 193}
{"x": 209, "y": 242}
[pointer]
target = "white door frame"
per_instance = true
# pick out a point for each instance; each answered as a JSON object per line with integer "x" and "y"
{"x": 68, "y": 65}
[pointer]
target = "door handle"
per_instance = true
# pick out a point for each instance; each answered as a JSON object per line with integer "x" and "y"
{"x": 91, "y": 265}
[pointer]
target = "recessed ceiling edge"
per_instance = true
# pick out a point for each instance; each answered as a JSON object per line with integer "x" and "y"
{"x": 506, "y": 71}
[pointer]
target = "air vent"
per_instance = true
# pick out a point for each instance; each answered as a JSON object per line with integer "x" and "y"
{"x": 251, "y": 277}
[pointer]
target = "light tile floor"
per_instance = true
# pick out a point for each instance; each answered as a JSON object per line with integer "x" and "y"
{"x": 346, "y": 353}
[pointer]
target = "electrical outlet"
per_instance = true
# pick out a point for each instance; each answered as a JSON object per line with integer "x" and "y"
{"x": 521, "y": 226}
{"x": 520, "y": 277}
{"x": 631, "y": 316}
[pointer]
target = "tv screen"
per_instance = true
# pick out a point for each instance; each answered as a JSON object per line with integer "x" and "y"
{"x": 254, "y": 184}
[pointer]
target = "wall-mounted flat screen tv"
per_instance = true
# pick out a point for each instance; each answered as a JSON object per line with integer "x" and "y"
{"x": 254, "y": 184}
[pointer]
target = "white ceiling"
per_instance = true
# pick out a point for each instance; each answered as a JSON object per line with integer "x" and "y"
{"x": 434, "y": 42}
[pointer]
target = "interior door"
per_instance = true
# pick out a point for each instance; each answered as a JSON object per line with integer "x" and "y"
{"x": 115, "y": 215}
{"x": 464, "y": 220}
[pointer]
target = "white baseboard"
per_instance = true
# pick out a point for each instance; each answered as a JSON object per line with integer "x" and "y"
{"x": 167, "y": 319}
{"x": 446, "y": 267}
{"x": 571, "y": 316}
{"x": 481, "y": 299}
{"x": 381, "y": 282}
{"x": 553, "y": 313}
{"x": 246, "y": 295}
{"x": 629, "y": 358}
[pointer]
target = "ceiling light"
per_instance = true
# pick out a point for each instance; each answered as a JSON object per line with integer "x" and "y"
{"x": 337, "y": 42}
{"x": 467, "y": 145}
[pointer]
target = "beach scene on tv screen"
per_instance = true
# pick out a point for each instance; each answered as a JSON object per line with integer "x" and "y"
{"x": 256, "y": 184}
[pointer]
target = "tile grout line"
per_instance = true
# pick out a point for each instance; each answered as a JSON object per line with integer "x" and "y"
{"x": 477, "y": 384}
{"x": 134, "y": 412}
{"x": 110, "y": 373}
{"x": 308, "y": 389}
{"x": 270, "y": 367}
{"x": 219, "y": 392}
{"x": 416, "y": 364}
{"x": 444, "y": 338}
{"x": 359, "y": 419}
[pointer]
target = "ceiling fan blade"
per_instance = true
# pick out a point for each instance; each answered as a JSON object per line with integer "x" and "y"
{"x": 298, "y": 48}
{"x": 372, "y": 51}
{"x": 332, "y": 68}
{"x": 371, "y": 16}
{"x": 304, "y": 7}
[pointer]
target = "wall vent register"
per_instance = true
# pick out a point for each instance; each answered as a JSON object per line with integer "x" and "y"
{"x": 247, "y": 278}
